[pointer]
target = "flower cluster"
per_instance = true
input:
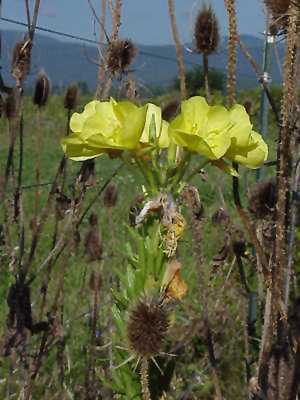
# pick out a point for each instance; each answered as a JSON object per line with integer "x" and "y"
{"x": 211, "y": 131}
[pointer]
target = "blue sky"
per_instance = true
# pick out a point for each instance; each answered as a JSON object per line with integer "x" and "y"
{"x": 143, "y": 21}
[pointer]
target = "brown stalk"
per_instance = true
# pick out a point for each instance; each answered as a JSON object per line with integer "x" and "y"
{"x": 101, "y": 69}
{"x": 145, "y": 379}
{"x": 179, "y": 53}
{"x": 232, "y": 54}
{"x": 284, "y": 152}
{"x": 205, "y": 75}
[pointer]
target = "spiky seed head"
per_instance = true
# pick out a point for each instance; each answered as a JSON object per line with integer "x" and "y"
{"x": 206, "y": 31}
{"x": 147, "y": 327}
{"x": 170, "y": 110}
{"x": 10, "y": 106}
{"x": 41, "y": 90}
{"x": 262, "y": 198}
{"x": 71, "y": 97}
{"x": 21, "y": 58}
{"x": 278, "y": 7}
{"x": 110, "y": 197}
{"x": 120, "y": 54}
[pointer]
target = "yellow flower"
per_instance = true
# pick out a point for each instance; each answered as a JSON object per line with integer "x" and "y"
{"x": 156, "y": 129}
{"x": 247, "y": 147}
{"x": 104, "y": 126}
{"x": 202, "y": 128}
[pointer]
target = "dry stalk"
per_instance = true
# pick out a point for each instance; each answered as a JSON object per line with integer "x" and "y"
{"x": 179, "y": 53}
{"x": 232, "y": 53}
{"x": 145, "y": 379}
{"x": 284, "y": 157}
{"x": 101, "y": 69}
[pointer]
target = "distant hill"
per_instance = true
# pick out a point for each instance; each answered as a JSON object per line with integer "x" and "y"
{"x": 67, "y": 62}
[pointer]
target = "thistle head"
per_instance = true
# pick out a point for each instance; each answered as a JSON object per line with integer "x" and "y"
{"x": 120, "y": 54}
{"x": 41, "y": 90}
{"x": 71, "y": 97}
{"x": 262, "y": 198}
{"x": 278, "y": 7}
{"x": 206, "y": 31}
{"x": 147, "y": 327}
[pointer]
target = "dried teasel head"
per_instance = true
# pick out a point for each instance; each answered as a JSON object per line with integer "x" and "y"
{"x": 71, "y": 97}
{"x": 206, "y": 31}
{"x": 41, "y": 90}
{"x": 170, "y": 110}
{"x": 21, "y": 58}
{"x": 110, "y": 197}
{"x": 147, "y": 327}
{"x": 278, "y": 7}
{"x": 120, "y": 54}
{"x": 279, "y": 19}
{"x": 262, "y": 198}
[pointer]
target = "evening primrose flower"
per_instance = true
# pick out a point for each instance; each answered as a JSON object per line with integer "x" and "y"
{"x": 247, "y": 146}
{"x": 202, "y": 128}
{"x": 104, "y": 126}
{"x": 156, "y": 129}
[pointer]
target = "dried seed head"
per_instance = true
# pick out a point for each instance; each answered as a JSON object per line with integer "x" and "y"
{"x": 120, "y": 54}
{"x": 110, "y": 197}
{"x": 147, "y": 327}
{"x": 10, "y": 106}
{"x": 170, "y": 110}
{"x": 206, "y": 32}
{"x": 41, "y": 90}
{"x": 262, "y": 198}
{"x": 71, "y": 97}
{"x": 278, "y": 7}
{"x": 20, "y": 65}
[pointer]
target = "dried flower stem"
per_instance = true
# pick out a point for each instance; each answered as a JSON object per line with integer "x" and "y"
{"x": 179, "y": 53}
{"x": 205, "y": 74}
{"x": 145, "y": 379}
{"x": 283, "y": 172}
{"x": 101, "y": 69}
{"x": 232, "y": 53}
